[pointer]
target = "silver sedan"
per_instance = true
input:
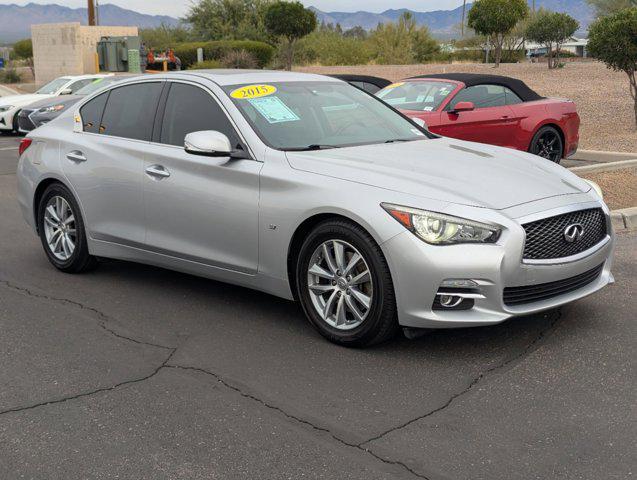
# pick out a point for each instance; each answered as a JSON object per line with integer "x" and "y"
{"x": 310, "y": 189}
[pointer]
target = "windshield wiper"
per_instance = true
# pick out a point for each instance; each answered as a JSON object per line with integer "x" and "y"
{"x": 394, "y": 140}
{"x": 314, "y": 146}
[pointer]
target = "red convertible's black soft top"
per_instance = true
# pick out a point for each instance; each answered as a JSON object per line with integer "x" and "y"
{"x": 520, "y": 88}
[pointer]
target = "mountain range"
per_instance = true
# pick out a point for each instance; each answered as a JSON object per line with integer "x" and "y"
{"x": 16, "y": 21}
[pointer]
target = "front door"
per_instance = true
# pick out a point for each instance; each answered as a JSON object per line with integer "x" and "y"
{"x": 200, "y": 209}
{"x": 491, "y": 122}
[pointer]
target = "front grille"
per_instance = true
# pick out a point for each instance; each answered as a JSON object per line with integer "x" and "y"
{"x": 24, "y": 122}
{"x": 545, "y": 238}
{"x": 535, "y": 293}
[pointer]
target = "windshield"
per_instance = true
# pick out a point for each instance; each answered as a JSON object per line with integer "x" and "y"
{"x": 314, "y": 115}
{"x": 421, "y": 95}
{"x": 53, "y": 86}
{"x": 97, "y": 84}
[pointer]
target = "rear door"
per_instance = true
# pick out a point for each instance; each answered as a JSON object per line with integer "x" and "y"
{"x": 104, "y": 163}
{"x": 491, "y": 122}
{"x": 201, "y": 209}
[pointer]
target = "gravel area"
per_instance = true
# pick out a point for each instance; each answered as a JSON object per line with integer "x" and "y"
{"x": 619, "y": 187}
{"x": 602, "y": 96}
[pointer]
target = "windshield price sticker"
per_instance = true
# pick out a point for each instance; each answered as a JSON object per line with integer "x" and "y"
{"x": 274, "y": 110}
{"x": 253, "y": 91}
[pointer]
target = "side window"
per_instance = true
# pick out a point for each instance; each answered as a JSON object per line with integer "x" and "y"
{"x": 191, "y": 109}
{"x": 482, "y": 96}
{"x": 75, "y": 86}
{"x": 91, "y": 113}
{"x": 130, "y": 111}
{"x": 512, "y": 98}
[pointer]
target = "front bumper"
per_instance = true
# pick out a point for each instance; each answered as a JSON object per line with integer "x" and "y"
{"x": 418, "y": 270}
{"x": 6, "y": 120}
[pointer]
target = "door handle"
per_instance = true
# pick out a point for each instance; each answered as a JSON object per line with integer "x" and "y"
{"x": 157, "y": 171}
{"x": 76, "y": 156}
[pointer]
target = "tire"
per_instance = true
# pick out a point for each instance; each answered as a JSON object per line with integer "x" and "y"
{"x": 348, "y": 290}
{"x": 547, "y": 143}
{"x": 63, "y": 258}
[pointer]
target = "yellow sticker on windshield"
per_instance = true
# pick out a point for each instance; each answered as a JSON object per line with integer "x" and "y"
{"x": 253, "y": 91}
{"x": 394, "y": 85}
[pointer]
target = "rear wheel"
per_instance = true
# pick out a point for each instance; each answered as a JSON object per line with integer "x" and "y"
{"x": 61, "y": 230}
{"x": 344, "y": 284}
{"x": 547, "y": 143}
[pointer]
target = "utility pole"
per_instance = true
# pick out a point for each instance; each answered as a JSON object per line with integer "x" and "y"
{"x": 91, "y": 13}
{"x": 464, "y": 7}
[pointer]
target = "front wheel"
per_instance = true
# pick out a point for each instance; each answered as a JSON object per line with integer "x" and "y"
{"x": 547, "y": 143}
{"x": 344, "y": 285}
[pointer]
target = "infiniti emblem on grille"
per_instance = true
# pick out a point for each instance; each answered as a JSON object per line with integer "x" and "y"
{"x": 574, "y": 233}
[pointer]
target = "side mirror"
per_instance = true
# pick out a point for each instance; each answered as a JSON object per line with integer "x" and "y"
{"x": 66, "y": 91}
{"x": 463, "y": 107}
{"x": 209, "y": 143}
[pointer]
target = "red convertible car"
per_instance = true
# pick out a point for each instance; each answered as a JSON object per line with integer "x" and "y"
{"x": 489, "y": 109}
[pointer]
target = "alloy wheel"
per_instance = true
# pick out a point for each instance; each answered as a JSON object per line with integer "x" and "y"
{"x": 339, "y": 282}
{"x": 59, "y": 228}
{"x": 549, "y": 146}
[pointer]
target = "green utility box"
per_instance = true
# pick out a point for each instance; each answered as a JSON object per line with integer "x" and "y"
{"x": 113, "y": 53}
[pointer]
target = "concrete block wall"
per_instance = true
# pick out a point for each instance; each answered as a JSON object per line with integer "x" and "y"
{"x": 68, "y": 48}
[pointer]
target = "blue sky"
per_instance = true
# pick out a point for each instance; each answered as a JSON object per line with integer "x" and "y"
{"x": 177, "y": 8}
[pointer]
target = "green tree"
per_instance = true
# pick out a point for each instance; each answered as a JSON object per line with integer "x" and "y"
{"x": 551, "y": 29}
{"x": 228, "y": 19}
{"x": 23, "y": 49}
{"x": 604, "y": 8}
{"x": 403, "y": 42}
{"x": 613, "y": 40}
{"x": 496, "y": 19}
{"x": 289, "y": 21}
{"x": 164, "y": 36}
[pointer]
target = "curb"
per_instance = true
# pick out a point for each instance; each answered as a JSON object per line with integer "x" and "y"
{"x": 599, "y": 156}
{"x": 624, "y": 219}
{"x": 605, "y": 167}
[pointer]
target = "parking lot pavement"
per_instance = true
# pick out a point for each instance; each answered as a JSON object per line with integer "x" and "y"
{"x": 137, "y": 372}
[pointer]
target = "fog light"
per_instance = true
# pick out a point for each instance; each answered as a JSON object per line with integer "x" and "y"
{"x": 450, "y": 301}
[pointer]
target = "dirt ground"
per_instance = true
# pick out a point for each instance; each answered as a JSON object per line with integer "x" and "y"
{"x": 619, "y": 187}
{"x": 602, "y": 96}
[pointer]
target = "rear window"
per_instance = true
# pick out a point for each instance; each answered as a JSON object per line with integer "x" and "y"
{"x": 421, "y": 96}
{"x": 130, "y": 111}
{"x": 91, "y": 113}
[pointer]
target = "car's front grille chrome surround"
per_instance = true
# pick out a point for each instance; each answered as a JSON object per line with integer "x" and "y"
{"x": 545, "y": 238}
{"x": 513, "y": 296}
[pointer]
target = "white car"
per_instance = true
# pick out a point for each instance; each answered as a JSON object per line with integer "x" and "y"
{"x": 10, "y": 106}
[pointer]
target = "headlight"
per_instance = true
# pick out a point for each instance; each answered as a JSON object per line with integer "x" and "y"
{"x": 595, "y": 187}
{"x": 52, "y": 108}
{"x": 440, "y": 229}
{"x": 6, "y": 108}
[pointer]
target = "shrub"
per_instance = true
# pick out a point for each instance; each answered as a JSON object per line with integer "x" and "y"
{"x": 23, "y": 49}
{"x": 206, "y": 65}
{"x": 216, "y": 50}
{"x": 238, "y": 59}
{"x": 332, "y": 48}
{"x": 10, "y": 75}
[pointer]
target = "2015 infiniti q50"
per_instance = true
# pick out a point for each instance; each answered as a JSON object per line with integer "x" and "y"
{"x": 308, "y": 188}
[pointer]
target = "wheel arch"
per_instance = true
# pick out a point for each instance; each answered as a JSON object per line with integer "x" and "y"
{"x": 39, "y": 191}
{"x": 301, "y": 231}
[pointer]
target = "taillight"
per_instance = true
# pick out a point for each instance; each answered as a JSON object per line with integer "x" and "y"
{"x": 24, "y": 144}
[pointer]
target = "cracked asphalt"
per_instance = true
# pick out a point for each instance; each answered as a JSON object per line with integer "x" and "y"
{"x": 137, "y": 372}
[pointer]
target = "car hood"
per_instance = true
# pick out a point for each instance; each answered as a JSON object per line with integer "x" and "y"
{"x": 22, "y": 100}
{"x": 59, "y": 100}
{"x": 447, "y": 170}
